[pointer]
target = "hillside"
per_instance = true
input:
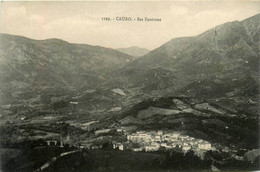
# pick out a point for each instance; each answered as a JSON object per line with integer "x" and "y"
{"x": 227, "y": 55}
{"x": 208, "y": 120}
{"x": 52, "y": 66}
{"x": 221, "y": 63}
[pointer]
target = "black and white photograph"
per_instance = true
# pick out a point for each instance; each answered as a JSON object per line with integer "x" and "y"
{"x": 129, "y": 86}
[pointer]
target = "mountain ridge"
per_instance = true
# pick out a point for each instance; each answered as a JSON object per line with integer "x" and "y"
{"x": 180, "y": 54}
{"x": 189, "y": 66}
{"x": 33, "y": 65}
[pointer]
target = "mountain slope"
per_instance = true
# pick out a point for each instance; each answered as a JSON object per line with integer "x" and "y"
{"x": 36, "y": 66}
{"x": 227, "y": 52}
{"x": 221, "y": 63}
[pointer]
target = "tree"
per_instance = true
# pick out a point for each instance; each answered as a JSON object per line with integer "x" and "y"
{"x": 107, "y": 145}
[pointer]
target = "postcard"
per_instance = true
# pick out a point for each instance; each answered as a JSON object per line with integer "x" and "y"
{"x": 129, "y": 86}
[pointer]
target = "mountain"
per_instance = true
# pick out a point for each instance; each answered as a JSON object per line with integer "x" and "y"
{"x": 227, "y": 55}
{"x": 134, "y": 51}
{"x": 221, "y": 64}
{"x": 206, "y": 86}
{"x": 32, "y": 67}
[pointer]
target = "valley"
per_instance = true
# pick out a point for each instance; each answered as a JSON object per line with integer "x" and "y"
{"x": 58, "y": 97}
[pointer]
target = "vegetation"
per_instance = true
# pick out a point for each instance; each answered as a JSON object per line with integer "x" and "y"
{"x": 28, "y": 155}
{"x": 114, "y": 160}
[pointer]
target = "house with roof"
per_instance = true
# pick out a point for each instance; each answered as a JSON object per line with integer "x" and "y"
{"x": 175, "y": 135}
{"x": 23, "y": 118}
{"x": 183, "y": 138}
{"x": 204, "y": 145}
{"x": 137, "y": 149}
{"x": 139, "y": 137}
{"x": 158, "y": 138}
{"x": 119, "y": 146}
{"x": 152, "y": 141}
{"x": 120, "y": 130}
{"x": 164, "y": 144}
{"x": 51, "y": 142}
{"x": 151, "y": 148}
{"x": 185, "y": 148}
{"x": 169, "y": 146}
{"x": 160, "y": 132}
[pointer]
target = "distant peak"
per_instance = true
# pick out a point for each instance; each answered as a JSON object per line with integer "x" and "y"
{"x": 134, "y": 47}
{"x": 134, "y": 51}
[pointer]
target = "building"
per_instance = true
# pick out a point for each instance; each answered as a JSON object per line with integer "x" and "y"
{"x": 204, "y": 145}
{"x": 170, "y": 137}
{"x": 175, "y": 135}
{"x": 51, "y": 142}
{"x": 23, "y": 118}
{"x": 86, "y": 145}
{"x": 151, "y": 148}
{"x": 94, "y": 147}
{"x": 120, "y": 146}
{"x": 158, "y": 138}
{"x": 169, "y": 146}
{"x": 134, "y": 138}
{"x": 200, "y": 141}
{"x": 160, "y": 133}
{"x": 186, "y": 148}
{"x": 139, "y": 137}
{"x": 183, "y": 138}
{"x": 191, "y": 143}
{"x": 164, "y": 144}
{"x": 152, "y": 141}
{"x": 137, "y": 149}
{"x": 155, "y": 144}
{"x": 120, "y": 130}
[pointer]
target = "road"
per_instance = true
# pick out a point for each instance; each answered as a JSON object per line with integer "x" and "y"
{"x": 53, "y": 159}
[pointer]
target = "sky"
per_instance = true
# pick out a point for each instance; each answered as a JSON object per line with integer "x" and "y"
{"x": 81, "y": 22}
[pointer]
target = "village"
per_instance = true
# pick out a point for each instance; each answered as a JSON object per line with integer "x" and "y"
{"x": 153, "y": 141}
